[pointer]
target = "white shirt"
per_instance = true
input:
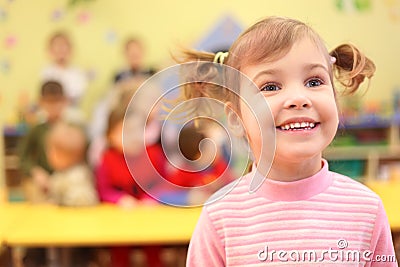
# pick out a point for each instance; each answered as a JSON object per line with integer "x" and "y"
{"x": 72, "y": 79}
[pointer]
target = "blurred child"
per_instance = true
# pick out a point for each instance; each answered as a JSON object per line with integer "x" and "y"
{"x": 72, "y": 79}
{"x": 98, "y": 124}
{"x": 190, "y": 138}
{"x": 116, "y": 184}
{"x": 134, "y": 55}
{"x": 34, "y": 165}
{"x": 205, "y": 167}
{"x": 114, "y": 181}
{"x": 41, "y": 155}
{"x": 72, "y": 183}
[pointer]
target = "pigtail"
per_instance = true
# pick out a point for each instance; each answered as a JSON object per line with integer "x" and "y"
{"x": 351, "y": 67}
{"x": 188, "y": 55}
{"x": 202, "y": 80}
{"x": 203, "y": 70}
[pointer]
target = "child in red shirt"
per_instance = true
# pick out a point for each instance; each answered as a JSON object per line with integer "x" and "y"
{"x": 115, "y": 184}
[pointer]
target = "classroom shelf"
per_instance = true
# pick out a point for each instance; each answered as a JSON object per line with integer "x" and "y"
{"x": 372, "y": 140}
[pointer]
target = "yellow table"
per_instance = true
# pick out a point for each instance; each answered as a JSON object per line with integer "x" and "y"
{"x": 9, "y": 215}
{"x": 389, "y": 192}
{"x": 46, "y": 225}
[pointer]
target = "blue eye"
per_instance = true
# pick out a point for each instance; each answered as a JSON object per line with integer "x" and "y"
{"x": 270, "y": 87}
{"x": 314, "y": 82}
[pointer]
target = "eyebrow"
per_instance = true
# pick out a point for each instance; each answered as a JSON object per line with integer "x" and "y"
{"x": 274, "y": 71}
{"x": 265, "y": 72}
{"x": 317, "y": 65}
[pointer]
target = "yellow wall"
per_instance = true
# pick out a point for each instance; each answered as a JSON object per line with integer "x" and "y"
{"x": 165, "y": 24}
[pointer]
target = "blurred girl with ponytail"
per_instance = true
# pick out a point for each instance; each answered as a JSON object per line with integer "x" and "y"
{"x": 302, "y": 211}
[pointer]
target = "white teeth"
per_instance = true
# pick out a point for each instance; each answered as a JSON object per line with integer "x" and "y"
{"x": 298, "y": 125}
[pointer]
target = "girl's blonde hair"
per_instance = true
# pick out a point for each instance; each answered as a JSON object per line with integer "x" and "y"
{"x": 267, "y": 41}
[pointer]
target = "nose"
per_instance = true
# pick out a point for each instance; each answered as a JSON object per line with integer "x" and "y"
{"x": 297, "y": 100}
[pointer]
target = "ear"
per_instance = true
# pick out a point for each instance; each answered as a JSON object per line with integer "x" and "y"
{"x": 234, "y": 122}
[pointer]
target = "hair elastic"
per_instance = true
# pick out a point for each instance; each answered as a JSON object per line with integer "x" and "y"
{"x": 333, "y": 60}
{"x": 220, "y": 57}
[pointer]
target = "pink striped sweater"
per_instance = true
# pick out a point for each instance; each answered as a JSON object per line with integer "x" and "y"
{"x": 324, "y": 220}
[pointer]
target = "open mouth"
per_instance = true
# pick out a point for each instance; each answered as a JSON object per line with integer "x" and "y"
{"x": 298, "y": 126}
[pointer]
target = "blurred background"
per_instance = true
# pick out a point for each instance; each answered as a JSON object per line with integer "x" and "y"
{"x": 111, "y": 41}
{"x": 98, "y": 30}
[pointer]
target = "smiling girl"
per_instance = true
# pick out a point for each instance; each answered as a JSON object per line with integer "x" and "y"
{"x": 302, "y": 214}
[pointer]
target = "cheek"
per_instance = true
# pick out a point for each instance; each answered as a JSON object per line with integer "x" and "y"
{"x": 329, "y": 116}
{"x": 256, "y": 127}
{"x": 328, "y": 109}
{"x": 249, "y": 120}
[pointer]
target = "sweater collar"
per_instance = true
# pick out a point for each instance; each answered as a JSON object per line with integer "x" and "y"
{"x": 297, "y": 190}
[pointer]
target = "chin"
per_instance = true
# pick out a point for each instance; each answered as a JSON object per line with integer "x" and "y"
{"x": 298, "y": 154}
